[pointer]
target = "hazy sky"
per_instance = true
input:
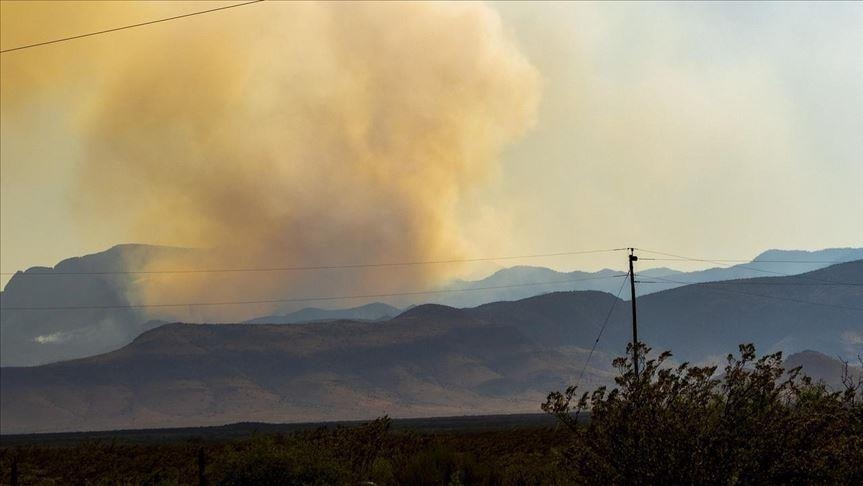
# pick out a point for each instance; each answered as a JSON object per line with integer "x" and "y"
{"x": 698, "y": 128}
{"x": 708, "y": 129}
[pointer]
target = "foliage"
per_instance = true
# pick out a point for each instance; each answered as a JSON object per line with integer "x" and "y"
{"x": 341, "y": 455}
{"x": 756, "y": 423}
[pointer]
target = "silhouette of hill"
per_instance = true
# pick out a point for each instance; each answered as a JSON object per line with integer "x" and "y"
{"x": 183, "y": 374}
{"x": 821, "y": 367}
{"x": 776, "y": 313}
{"x": 375, "y": 311}
{"x": 39, "y": 337}
{"x": 430, "y": 360}
{"x": 35, "y": 337}
{"x": 768, "y": 263}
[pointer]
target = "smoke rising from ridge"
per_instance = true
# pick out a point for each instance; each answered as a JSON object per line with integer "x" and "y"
{"x": 299, "y": 134}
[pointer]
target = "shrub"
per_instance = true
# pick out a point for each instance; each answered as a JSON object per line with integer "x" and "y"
{"x": 756, "y": 423}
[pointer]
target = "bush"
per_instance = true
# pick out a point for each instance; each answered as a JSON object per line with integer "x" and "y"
{"x": 756, "y": 423}
{"x": 338, "y": 456}
{"x": 266, "y": 462}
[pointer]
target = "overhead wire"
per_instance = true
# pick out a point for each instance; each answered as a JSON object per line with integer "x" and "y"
{"x": 601, "y": 330}
{"x": 388, "y": 264}
{"x": 665, "y": 279}
{"x": 315, "y": 267}
{"x": 303, "y": 299}
{"x": 719, "y": 262}
{"x": 824, "y": 262}
{"x": 726, "y": 290}
{"x": 710, "y": 286}
{"x": 749, "y": 282}
{"x": 115, "y": 29}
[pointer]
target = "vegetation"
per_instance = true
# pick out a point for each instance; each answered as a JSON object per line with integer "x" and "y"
{"x": 325, "y": 456}
{"x": 670, "y": 424}
{"x": 755, "y": 424}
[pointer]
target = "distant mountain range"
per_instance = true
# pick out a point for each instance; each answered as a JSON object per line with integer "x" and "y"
{"x": 818, "y": 310}
{"x": 512, "y": 283}
{"x": 430, "y": 360}
{"x": 29, "y": 337}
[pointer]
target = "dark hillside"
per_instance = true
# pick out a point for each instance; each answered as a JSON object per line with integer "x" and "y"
{"x": 430, "y": 360}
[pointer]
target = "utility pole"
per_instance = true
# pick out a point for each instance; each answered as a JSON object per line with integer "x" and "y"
{"x": 633, "y": 258}
{"x": 202, "y": 465}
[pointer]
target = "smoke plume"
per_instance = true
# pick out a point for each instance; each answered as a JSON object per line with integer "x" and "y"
{"x": 289, "y": 134}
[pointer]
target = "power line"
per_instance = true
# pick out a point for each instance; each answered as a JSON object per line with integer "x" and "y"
{"x": 428, "y": 292}
{"x": 602, "y": 329}
{"x": 303, "y": 299}
{"x": 710, "y": 286}
{"x": 719, "y": 262}
{"x": 315, "y": 267}
{"x": 115, "y": 29}
{"x": 770, "y": 284}
{"x": 824, "y": 262}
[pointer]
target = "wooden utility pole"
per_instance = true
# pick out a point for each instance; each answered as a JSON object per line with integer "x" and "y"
{"x": 202, "y": 465}
{"x": 633, "y": 258}
{"x": 13, "y": 476}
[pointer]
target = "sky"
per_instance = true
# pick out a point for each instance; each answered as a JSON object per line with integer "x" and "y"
{"x": 707, "y": 129}
{"x": 716, "y": 130}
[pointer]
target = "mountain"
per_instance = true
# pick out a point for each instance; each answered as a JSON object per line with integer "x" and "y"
{"x": 422, "y": 363}
{"x": 430, "y": 360}
{"x": 560, "y": 318}
{"x": 520, "y": 282}
{"x": 30, "y": 337}
{"x": 821, "y": 367}
{"x": 509, "y": 283}
{"x": 822, "y": 310}
{"x": 375, "y": 311}
{"x": 704, "y": 322}
{"x": 771, "y": 263}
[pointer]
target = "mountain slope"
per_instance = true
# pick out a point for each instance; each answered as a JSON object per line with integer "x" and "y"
{"x": 36, "y": 337}
{"x": 776, "y": 313}
{"x": 768, "y": 263}
{"x": 561, "y": 318}
{"x": 180, "y": 374}
{"x": 705, "y": 320}
{"x": 430, "y": 360}
{"x": 821, "y": 367}
{"x": 30, "y": 337}
{"x": 375, "y": 311}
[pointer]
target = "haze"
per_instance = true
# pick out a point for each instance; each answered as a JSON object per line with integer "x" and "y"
{"x": 716, "y": 130}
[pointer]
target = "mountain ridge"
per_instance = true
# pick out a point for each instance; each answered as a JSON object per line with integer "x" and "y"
{"x": 430, "y": 360}
{"x": 374, "y": 311}
{"x": 43, "y": 336}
